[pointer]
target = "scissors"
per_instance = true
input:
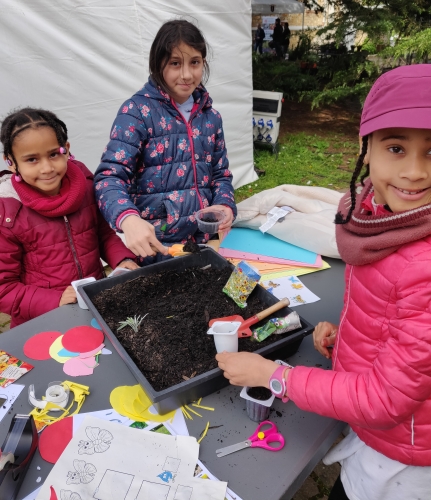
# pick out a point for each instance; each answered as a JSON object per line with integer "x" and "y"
{"x": 260, "y": 439}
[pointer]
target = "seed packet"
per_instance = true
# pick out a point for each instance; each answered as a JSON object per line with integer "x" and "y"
{"x": 241, "y": 283}
{"x": 277, "y": 326}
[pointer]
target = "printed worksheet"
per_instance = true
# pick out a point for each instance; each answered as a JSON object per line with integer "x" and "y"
{"x": 292, "y": 288}
{"x": 108, "y": 461}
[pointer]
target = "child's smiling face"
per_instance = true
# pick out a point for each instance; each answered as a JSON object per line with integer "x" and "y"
{"x": 400, "y": 167}
{"x": 40, "y": 163}
{"x": 183, "y": 72}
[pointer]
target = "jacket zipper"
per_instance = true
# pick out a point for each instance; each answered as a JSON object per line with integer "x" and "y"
{"x": 342, "y": 319}
{"x": 72, "y": 246}
{"x": 190, "y": 136}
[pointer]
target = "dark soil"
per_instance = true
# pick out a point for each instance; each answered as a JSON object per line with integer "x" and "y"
{"x": 209, "y": 219}
{"x": 172, "y": 344}
{"x": 259, "y": 393}
{"x": 191, "y": 247}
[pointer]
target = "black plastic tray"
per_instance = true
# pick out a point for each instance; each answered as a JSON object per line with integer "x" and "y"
{"x": 208, "y": 382}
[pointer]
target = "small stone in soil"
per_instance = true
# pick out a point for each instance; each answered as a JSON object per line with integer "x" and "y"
{"x": 259, "y": 393}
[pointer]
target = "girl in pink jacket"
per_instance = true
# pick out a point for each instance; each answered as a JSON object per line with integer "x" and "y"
{"x": 51, "y": 231}
{"x": 381, "y": 378}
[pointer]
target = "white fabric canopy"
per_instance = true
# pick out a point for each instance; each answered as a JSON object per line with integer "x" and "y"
{"x": 280, "y": 7}
{"x": 83, "y": 59}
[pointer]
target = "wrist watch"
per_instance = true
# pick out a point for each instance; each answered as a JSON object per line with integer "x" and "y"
{"x": 277, "y": 382}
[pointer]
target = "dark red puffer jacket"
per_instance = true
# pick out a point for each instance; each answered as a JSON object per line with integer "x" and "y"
{"x": 41, "y": 256}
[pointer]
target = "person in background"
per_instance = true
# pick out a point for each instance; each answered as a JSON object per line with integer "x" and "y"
{"x": 277, "y": 38}
{"x": 259, "y": 37}
{"x": 51, "y": 231}
{"x": 286, "y": 38}
{"x": 166, "y": 158}
{"x": 380, "y": 382}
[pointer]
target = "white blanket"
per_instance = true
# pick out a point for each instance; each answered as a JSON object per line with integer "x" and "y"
{"x": 311, "y": 226}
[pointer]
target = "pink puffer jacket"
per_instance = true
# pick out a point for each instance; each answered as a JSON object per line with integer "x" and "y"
{"x": 381, "y": 383}
{"x": 40, "y": 256}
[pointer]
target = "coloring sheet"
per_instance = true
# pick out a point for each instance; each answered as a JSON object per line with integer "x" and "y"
{"x": 107, "y": 461}
{"x": 8, "y": 396}
{"x": 292, "y": 288}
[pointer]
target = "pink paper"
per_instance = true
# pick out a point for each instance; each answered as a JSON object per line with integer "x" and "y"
{"x": 236, "y": 254}
{"x": 89, "y": 354}
{"x": 75, "y": 367}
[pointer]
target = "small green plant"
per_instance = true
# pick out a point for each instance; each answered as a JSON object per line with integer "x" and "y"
{"x": 134, "y": 323}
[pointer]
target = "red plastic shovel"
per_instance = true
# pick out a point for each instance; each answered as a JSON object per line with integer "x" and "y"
{"x": 244, "y": 329}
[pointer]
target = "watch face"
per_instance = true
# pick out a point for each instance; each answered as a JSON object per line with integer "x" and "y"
{"x": 276, "y": 386}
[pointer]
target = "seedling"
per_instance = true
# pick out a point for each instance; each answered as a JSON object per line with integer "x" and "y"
{"x": 134, "y": 323}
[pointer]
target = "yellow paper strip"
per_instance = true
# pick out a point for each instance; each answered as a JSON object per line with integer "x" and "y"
{"x": 204, "y": 407}
{"x": 193, "y": 411}
{"x": 204, "y": 433}
{"x": 199, "y": 401}
{"x": 186, "y": 413}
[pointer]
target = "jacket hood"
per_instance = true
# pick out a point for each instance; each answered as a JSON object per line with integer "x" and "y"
{"x": 200, "y": 94}
{"x": 6, "y": 188}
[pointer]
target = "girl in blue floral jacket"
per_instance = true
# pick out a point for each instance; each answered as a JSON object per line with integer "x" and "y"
{"x": 166, "y": 157}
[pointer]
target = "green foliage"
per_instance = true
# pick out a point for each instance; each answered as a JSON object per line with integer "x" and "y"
{"x": 280, "y": 76}
{"x": 304, "y": 160}
{"x": 134, "y": 323}
{"x": 412, "y": 49}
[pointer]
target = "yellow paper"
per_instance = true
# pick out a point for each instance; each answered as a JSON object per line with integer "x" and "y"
{"x": 297, "y": 271}
{"x": 55, "y": 347}
{"x": 133, "y": 402}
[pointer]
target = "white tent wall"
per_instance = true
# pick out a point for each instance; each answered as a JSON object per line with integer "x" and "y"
{"x": 82, "y": 59}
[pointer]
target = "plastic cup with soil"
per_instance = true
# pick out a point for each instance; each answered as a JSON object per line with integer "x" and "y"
{"x": 258, "y": 402}
{"x": 209, "y": 220}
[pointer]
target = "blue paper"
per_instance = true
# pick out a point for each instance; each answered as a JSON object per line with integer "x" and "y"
{"x": 95, "y": 324}
{"x": 251, "y": 241}
{"x": 64, "y": 352}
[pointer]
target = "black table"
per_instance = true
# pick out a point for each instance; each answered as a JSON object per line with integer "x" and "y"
{"x": 253, "y": 474}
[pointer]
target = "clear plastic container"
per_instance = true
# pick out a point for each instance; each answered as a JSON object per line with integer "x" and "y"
{"x": 213, "y": 220}
{"x": 257, "y": 410}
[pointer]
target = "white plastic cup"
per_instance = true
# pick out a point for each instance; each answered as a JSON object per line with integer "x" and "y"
{"x": 209, "y": 227}
{"x": 75, "y": 285}
{"x": 225, "y": 335}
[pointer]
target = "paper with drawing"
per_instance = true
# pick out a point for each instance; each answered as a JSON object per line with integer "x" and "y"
{"x": 107, "y": 461}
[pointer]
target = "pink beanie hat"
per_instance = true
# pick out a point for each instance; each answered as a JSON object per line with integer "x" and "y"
{"x": 399, "y": 98}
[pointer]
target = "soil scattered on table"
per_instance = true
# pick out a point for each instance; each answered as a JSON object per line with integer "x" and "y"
{"x": 172, "y": 344}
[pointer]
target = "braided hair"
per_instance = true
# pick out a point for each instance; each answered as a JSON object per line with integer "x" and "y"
{"x": 26, "y": 118}
{"x": 339, "y": 219}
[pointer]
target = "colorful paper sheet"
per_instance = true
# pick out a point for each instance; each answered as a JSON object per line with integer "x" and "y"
{"x": 82, "y": 339}
{"x": 37, "y": 347}
{"x": 292, "y": 288}
{"x": 54, "y": 439}
{"x": 255, "y": 242}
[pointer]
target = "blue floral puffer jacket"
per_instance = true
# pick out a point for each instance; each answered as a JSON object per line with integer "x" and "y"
{"x": 165, "y": 169}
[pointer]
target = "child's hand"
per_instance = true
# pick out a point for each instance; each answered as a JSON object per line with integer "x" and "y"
{"x": 128, "y": 264}
{"x": 141, "y": 237}
{"x": 68, "y": 297}
{"x": 228, "y": 216}
{"x": 324, "y": 336}
{"x": 246, "y": 368}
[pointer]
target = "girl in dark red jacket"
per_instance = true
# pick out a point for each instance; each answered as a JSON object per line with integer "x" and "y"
{"x": 51, "y": 231}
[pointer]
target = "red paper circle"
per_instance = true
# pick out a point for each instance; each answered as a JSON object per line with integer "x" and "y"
{"x": 82, "y": 339}
{"x": 37, "y": 347}
{"x": 55, "y": 438}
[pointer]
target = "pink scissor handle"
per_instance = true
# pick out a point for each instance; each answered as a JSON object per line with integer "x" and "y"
{"x": 270, "y": 435}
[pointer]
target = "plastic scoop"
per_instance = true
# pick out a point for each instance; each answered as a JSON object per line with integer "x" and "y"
{"x": 244, "y": 329}
{"x": 177, "y": 250}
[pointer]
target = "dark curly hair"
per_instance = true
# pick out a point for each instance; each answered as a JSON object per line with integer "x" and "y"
{"x": 26, "y": 118}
